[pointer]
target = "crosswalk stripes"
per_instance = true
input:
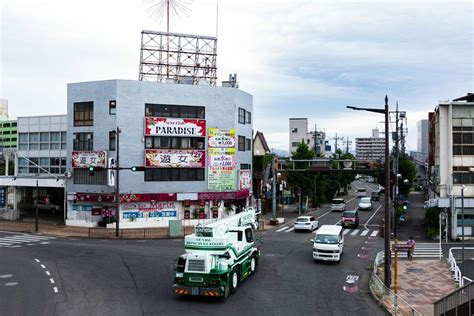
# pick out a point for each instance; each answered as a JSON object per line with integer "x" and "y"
{"x": 423, "y": 250}
{"x": 347, "y": 232}
{"x": 17, "y": 241}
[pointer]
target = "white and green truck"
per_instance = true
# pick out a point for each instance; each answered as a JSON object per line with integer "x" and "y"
{"x": 218, "y": 256}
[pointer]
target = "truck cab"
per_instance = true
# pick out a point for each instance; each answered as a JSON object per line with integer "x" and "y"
{"x": 218, "y": 256}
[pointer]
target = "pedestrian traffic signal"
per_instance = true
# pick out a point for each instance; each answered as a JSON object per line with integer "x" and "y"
{"x": 137, "y": 168}
{"x": 91, "y": 170}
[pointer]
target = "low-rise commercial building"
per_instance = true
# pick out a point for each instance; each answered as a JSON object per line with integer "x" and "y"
{"x": 194, "y": 143}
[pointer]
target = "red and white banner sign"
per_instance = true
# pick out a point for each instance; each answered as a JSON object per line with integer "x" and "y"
{"x": 84, "y": 159}
{"x": 175, "y": 158}
{"x": 160, "y": 126}
{"x": 245, "y": 179}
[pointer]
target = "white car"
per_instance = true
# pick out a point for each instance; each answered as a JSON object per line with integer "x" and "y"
{"x": 338, "y": 205}
{"x": 365, "y": 204}
{"x": 308, "y": 223}
{"x": 361, "y": 193}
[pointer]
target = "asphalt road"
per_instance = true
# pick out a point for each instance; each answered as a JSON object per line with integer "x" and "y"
{"x": 67, "y": 276}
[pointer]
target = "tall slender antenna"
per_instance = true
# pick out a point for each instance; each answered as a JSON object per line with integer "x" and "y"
{"x": 159, "y": 8}
{"x": 217, "y": 18}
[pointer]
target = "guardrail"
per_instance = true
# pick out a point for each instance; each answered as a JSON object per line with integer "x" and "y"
{"x": 453, "y": 266}
{"x": 459, "y": 302}
{"x": 392, "y": 302}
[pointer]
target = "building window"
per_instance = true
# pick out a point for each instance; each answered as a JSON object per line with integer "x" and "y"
{"x": 83, "y": 141}
{"x": 245, "y": 166}
{"x": 174, "y": 174}
{"x": 83, "y": 113}
{"x": 34, "y": 137}
{"x": 23, "y": 137}
{"x": 241, "y": 141}
{"x": 248, "y": 117}
{"x": 82, "y": 176}
{"x": 112, "y": 140}
{"x": 182, "y": 111}
{"x": 294, "y": 130}
{"x": 165, "y": 142}
{"x": 294, "y": 144}
{"x": 112, "y": 108}
{"x": 241, "y": 116}
{"x": 248, "y": 144}
{"x": 463, "y": 140}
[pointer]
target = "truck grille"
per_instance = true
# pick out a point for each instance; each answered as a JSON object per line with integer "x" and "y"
{"x": 196, "y": 265}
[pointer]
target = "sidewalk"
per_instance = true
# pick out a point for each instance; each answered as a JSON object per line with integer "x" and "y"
{"x": 45, "y": 228}
{"x": 421, "y": 282}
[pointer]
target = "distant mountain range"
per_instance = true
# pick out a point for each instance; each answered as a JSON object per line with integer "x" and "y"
{"x": 280, "y": 152}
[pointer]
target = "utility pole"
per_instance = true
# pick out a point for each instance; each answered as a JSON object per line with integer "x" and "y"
{"x": 402, "y": 138}
{"x": 274, "y": 188}
{"x": 335, "y": 144}
{"x": 395, "y": 167}
{"x": 36, "y": 208}
{"x": 117, "y": 183}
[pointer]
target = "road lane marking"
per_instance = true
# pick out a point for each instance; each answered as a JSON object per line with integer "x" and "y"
{"x": 346, "y": 231}
{"x": 42, "y": 266}
{"x": 365, "y": 232}
{"x": 365, "y": 225}
{"x": 47, "y": 273}
{"x": 51, "y": 280}
{"x": 355, "y": 232}
{"x": 4, "y": 276}
{"x": 11, "y": 283}
{"x": 37, "y": 260}
{"x": 322, "y": 215}
{"x": 289, "y": 230}
{"x": 5, "y": 244}
{"x": 374, "y": 233}
{"x": 55, "y": 289}
{"x": 281, "y": 229}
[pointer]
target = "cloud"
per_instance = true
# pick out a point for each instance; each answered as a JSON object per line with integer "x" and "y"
{"x": 301, "y": 58}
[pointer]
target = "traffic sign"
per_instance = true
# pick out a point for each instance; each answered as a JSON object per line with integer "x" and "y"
{"x": 401, "y": 247}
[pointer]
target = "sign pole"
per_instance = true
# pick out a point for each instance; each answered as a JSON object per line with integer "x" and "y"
{"x": 395, "y": 275}
{"x": 117, "y": 187}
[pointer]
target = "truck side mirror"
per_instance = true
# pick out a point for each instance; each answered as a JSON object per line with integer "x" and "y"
{"x": 312, "y": 240}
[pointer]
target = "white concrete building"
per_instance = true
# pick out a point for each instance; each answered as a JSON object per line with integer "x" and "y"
{"x": 451, "y": 161}
{"x": 194, "y": 143}
{"x": 371, "y": 148}
{"x": 422, "y": 137}
{"x": 40, "y": 160}
{"x": 299, "y": 132}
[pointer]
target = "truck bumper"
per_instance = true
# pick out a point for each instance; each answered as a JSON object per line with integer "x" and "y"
{"x": 198, "y": 291}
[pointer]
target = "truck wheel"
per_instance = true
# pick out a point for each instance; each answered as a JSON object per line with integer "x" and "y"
{"x": 234, "y": 280}
{"x": 253, "y": 264}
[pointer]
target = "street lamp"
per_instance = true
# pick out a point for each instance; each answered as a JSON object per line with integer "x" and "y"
{"x": 387, "y": 258}
{"x": 462, "y": 224}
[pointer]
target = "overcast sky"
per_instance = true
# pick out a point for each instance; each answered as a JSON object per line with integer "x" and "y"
{"x": 297, "y": 58}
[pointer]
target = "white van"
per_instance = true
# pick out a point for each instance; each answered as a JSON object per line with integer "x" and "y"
{"x": 361, "y": 193}
{"x": 328, "y": 243}
{"x": 338, "y": 205}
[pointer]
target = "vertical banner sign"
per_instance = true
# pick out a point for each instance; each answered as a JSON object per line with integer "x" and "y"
{"x": 111, "y": 172}
{"x": 221, "y": 159}
{"x": 245, "y": 179}
{"x": 3, "y": 197}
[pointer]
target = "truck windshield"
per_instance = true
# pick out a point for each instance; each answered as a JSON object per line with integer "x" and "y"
{"x": 326, "y": 239}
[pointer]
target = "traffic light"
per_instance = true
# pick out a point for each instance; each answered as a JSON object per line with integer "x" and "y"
{"x": 137, "y": 168}
{"x": 91, "y": 170}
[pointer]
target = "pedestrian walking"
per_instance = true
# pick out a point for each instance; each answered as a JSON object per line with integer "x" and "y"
{"x": 411, "y": 242}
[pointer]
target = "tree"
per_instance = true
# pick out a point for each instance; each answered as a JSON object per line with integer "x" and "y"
{"x": 304, "y": 180}
{"x": 407, "y": 169}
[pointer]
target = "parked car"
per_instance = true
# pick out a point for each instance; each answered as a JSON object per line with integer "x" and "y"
{"x": 375, "y": 196}
{"x": 365, "y": 204}
{"x": 381, "y": 189}
{"x": 350, "y": 218}
{"x": 338, "y": 205}
{"x": 46, "y": 205}
{"x": 361, "y": 192}
{"x": 308, "y": 223}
